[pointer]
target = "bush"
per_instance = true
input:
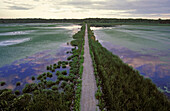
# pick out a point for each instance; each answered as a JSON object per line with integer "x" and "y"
{"x": 63, "y": 84}
{"x": 54, "y": 88}
{"x": 64, "y": 72}
{"x": 53, "y": 70}
{"x": 49, "y": 74}
{"x": 2, "y": 83}
{"x": 18, "y": 84}
{"x": 63, "y": 66}
{"x": 59, "y": 62}
{"x": 39, "y": 77}
{"x": 57, "y": 82}
{"x": 58, "y": 66}
{"x": 17, "y": 92}
{"x": 48, "y": 67}
{"x": 29, "y": 88}
{"x": 58, "y": 73}
{"x": 44, "y": 74}
{"x": 33, "y": 78}
{"x": 44, "y": 77}
{"x": 50, "y": 83}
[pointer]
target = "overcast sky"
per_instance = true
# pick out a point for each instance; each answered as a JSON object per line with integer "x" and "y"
{"x": 85, "y": 9}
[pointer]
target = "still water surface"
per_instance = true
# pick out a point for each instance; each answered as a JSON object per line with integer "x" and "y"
{"x": 146, "y": 48}
{"x": 26, "y": 50}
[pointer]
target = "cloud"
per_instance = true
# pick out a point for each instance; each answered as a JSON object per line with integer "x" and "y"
{"x": 88, "y": 8}
{"x": 19, "y": 8}
{"x": 14, "y": 5}
{"x": 138, "y": 6}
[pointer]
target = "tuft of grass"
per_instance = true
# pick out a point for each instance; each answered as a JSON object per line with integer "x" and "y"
{"x": 49, "y": 74}
{"x": 54, "y": 88}
{"x": 17, "y": 92}
{"x": 64, "y": 72}
{"x": 33, "y": 78}
{"x": 18, "y": 84}
{"x": 2, "y": 83}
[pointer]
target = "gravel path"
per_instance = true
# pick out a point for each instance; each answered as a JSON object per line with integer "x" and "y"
{"x": 88, "y": 101}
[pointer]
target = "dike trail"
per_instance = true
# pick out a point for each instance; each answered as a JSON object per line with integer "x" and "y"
{"x": 88, "y": 101}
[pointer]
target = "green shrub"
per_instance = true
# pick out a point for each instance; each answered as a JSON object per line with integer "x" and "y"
{"x": 2, "y": 83}
{"x": 53, "y": 70}
{"x": 58, "y": 73}
{"x": 33, "y": 78}
{"x": 64, "y": 72}
{"x": 39, "y": 77}
{"x": 48, "y": 67}
{"x": 63, "y": 66}
{"x": 17, "y": 92}
{"x": 29, "y": 88}
{"x": 63, "y": 84}
{"x": 44, "y": 74}
{"x": 57, "y": 82}
{"x": 50, "y": 83}
{"x": 49, "y": 74}
{"x": 54, "y": 88}
{"x": 18, "y": 84}
{"x": 58, "y": 66}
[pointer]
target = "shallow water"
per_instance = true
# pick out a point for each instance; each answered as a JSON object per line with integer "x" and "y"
{"x": 146, "y": 48}
{"x": 26, "y": 50}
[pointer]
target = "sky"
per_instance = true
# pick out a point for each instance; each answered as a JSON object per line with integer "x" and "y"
{"x": 78, "y": 9}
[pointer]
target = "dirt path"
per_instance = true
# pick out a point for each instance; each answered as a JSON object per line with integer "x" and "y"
{"x": 88, "y": 101}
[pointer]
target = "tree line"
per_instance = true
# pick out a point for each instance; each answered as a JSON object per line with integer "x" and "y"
{"x": 87, "y": 20}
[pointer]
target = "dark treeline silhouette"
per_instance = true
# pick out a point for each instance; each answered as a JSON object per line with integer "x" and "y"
{"x": 87, "y": 20}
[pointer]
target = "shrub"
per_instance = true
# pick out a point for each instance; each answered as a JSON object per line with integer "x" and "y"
{"x": 18, "y": 84}
{"x": 57, "y": 81}
{"x": 39, "y": 77}
{"x": 29, "y": 88}
{"x": 17, "y": 92}
{"x": 59, "y": 62}
{"x": 63, "y": 66}
{"x": 2, "y": 83}
{"x": 44, "y": 77}
{"x": 64, "y": 72}
{"x": 58, "y": 66}
{"x": 50, "y": 83}
{"x": 58, "y": 73}
{"x": 63, "y": 84}
{"x": 48, "y": 67}
{"x": 33, "y": 78}
{"x": 54, "y": 88}
{"x": 53, "y": 70}
{"x": 49, "y": 74}
{"x": 44, "y": 74}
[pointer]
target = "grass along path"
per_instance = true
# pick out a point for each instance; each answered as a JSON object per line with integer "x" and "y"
{"x": 88, "y": 100}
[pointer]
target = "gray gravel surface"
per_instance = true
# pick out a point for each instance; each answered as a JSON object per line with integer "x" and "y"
{"x": 88, "y": 101}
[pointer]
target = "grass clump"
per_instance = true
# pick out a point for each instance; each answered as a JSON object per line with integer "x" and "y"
{"x": 64, "y": 72}
{"x": 49, "y": 74}
{"x": 17, "y": 92}
{"x": 18, "y": 83}
{"x": 33, "y": 78}
{"x": 2, "y": 83}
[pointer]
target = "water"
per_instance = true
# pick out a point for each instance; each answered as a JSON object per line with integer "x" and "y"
{"x": 146, "y": 48}
{"x": 26, "y": 50}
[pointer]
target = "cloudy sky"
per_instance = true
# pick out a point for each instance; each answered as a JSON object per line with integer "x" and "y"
{"x": 85, "y": 8}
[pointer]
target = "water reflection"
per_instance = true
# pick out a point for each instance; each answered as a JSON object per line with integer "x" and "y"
{"x": 22, "y": 70}
{"x": 146, "y": 48}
